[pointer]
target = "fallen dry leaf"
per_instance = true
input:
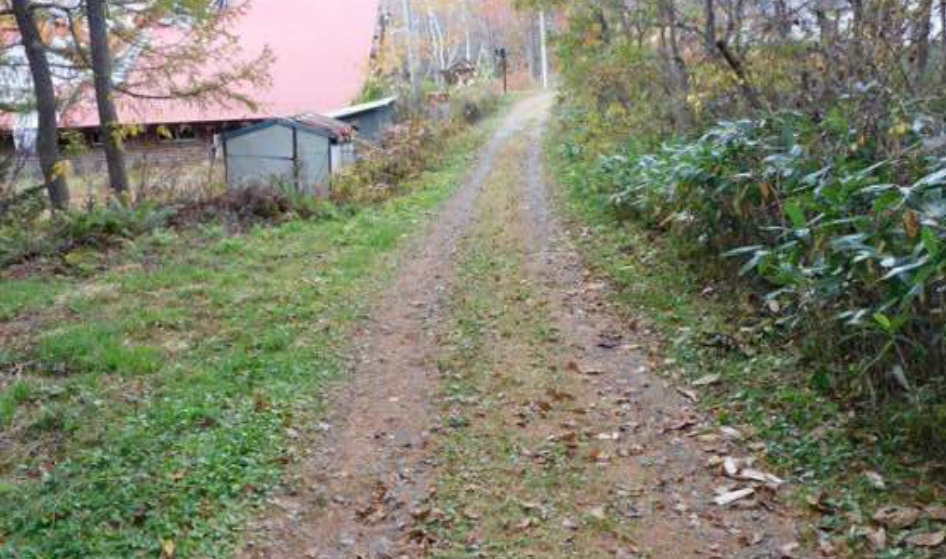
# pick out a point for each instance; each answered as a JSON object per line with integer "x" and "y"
{"x": 827, "y": 549}
{"x": 625, "y": 553}
{"x": 788, "y": 550}
{"x": 687, "y": 420}
{"x": 559, "y": 396}
{"x": 732, "y": 496}
{"x": 897, "y": 517}
{"x": 597, "y": 512}
{"x": 760, "y": 476}
{"x": 524, "y": 524}
{"x": 706, "y": 380}
{"x": 876, "y": 480}
{"x": 928, "y": 539}
{"x": 731, "y": 433}
{"x": 818, "y": 501}
{"x": 585, "y": 368}
{"x": 877, "y": 538}
{"x": 936, "y": 512}
{"x": 167, "y": 549}
{"x": 471, "y": 514}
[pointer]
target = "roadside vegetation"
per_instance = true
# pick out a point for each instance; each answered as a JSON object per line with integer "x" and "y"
{"x": 765, "y": 186}
{"x": 152, "y": 392}
{"x": 76, "y": 240}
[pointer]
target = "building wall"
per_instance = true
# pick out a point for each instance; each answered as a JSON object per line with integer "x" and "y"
{"x": 371, "y": 125}
{"x": 263, "y": 157}
{"x": 343, "y": 155}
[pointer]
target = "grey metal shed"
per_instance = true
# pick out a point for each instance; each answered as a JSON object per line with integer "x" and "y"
{"x": 301, "y": 152}
{"x": 369, "y": 119}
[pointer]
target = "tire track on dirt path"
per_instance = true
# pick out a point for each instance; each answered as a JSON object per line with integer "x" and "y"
{"x": 662, "y": 463}
{"x": 566, "y": 443}
{"x": 360, "y": 483}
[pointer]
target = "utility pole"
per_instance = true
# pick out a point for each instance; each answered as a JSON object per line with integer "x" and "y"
{"x": 543, "y": 41}
{"x": 504, "y": 67}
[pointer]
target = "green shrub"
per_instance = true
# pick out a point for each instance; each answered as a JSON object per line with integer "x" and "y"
{"x": 845, "y": 243}
{"x": 37, "y": 235}
{"x": 472, "y": 104}
{"x": 405, "y": 151}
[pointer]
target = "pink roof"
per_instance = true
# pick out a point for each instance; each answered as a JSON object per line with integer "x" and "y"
{"x": 321, "y": 49}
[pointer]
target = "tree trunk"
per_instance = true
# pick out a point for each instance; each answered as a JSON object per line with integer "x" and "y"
{"x": 544, "y": 49}
{"x": 411, "y": 57}
{"x": 602, "y": 20}
{"x": 942, "y": 27}
{"x": 748, "y": 92}
{"x": 826, "y": 27}
{"x": 47, "y": 141}
{"x": 467, "y": 36}
{"x": 109, "y": 126}
{"x": 709, "y": 12}
{"x": 680, "y": 74}
{"x": 782, "y": 21}
{"x": 923, "y": 27}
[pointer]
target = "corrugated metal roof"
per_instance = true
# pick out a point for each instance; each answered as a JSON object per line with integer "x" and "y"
{"x": 311, "y": 123}
{"x": 362, "y": 108}
{"x": 337, "y": 129}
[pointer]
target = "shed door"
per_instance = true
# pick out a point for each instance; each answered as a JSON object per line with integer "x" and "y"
{"x": 313, "y": 163}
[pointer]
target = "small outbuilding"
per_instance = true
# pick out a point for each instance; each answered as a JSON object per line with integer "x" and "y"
{"x": 461, "y": 74}
{"x": 370, "y": 120}
{"x": 302, "y": 152}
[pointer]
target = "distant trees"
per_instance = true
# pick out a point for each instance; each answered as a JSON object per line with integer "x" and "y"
{"x": 423, "y": 38}
{"x": 699, "y": 60}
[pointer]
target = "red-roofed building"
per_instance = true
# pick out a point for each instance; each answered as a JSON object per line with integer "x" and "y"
{"x": 321, "y": 50}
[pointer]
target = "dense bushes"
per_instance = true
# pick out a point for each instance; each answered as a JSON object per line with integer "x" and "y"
{"x": 27, "y": 237}
{"x": 404, "y": 151}
{"x": 28, "y": 232}
{"x": 847, "y": 244}
{"x": 471, "y": 104}
{"x": 409, "y": 148}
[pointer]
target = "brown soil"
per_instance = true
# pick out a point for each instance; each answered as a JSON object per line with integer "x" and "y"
{"x": 375, "y": 464}
{"x": 667, "y": 445}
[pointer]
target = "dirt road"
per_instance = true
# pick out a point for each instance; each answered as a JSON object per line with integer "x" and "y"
{"x": 500, "y": 408}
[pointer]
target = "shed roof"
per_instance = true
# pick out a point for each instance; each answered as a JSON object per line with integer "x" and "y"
{"x": 355, "y": 110}
{"x": 310, "y": 123}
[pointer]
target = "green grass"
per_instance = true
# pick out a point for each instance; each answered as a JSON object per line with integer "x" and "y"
{"x": 765, "y": 386}
{"x": 21, "y": 296}
{"x": 160, "y": 403}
